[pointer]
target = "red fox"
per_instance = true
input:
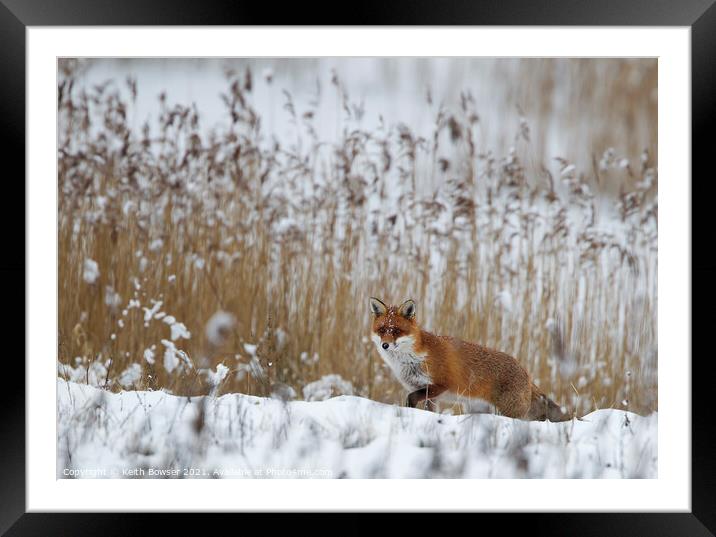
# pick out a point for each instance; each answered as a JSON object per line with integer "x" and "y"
{"x": 432, "y": 367}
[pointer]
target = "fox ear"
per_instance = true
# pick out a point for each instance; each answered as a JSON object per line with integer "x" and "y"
{"x": 377, "y": 307}
{"x": 407, "y": 309}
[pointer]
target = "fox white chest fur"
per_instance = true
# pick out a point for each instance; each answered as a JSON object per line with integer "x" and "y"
{"x": 405, "y": 363}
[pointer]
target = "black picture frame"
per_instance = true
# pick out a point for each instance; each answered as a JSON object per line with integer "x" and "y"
{"x": 699, "y": 15}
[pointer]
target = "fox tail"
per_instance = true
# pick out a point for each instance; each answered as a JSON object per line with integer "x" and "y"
{"x": 543, "y": 408}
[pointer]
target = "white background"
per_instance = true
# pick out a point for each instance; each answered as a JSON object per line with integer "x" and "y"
{"x": 671, "y": 491}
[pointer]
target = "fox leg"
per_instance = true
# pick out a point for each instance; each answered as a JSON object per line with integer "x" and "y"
{"x": 426, "y": 394}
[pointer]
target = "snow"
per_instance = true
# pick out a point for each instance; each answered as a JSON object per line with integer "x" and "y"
{"x": 393, "y": 92}
{"x": 90, "y": 271}
{"x": 174, "y": 357}
{"x": 149, "y": 356}
{"x": 150, "y": 313}
{"x": 112, "y": 298}
{"x": 94, "y": 373}
{"x": 215, "y": 377}
{"x": 130, "y": 375}
{"x": 148, "y": 434}
{"x": 219, "y": 326}
{"x": 505, "y": 299}
{"x": 327, "y": 387}
{"x": 179, "y": 331}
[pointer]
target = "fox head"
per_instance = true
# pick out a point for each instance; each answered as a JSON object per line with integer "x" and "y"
{"x": 394, "y": 327}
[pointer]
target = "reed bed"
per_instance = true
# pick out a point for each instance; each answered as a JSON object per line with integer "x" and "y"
{"x": 234, "y": 262}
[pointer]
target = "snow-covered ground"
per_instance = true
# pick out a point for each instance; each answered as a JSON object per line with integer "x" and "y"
{"x": 154, "y": 434}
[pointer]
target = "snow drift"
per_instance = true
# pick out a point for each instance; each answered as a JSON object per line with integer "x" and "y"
{"x": 154, "y": 434}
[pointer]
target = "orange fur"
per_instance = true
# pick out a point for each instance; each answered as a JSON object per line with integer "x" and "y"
{"x": 458, "y": 367}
